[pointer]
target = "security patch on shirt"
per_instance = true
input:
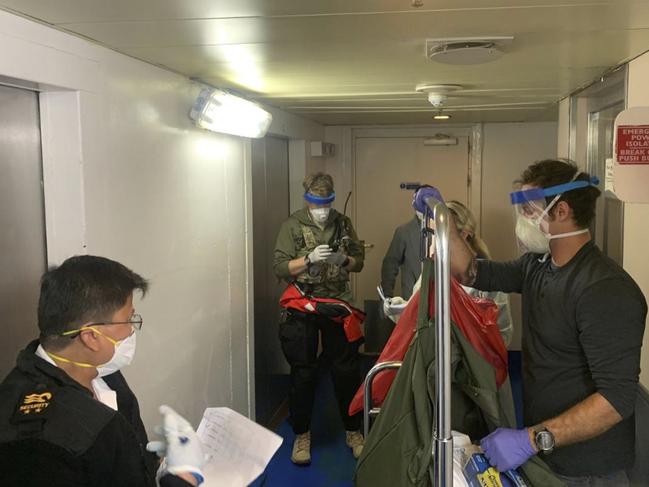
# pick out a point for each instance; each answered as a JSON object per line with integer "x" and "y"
{"x": 34, "y": 404}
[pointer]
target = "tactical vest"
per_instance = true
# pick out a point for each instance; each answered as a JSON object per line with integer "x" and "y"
{"x": 322, "y": 273}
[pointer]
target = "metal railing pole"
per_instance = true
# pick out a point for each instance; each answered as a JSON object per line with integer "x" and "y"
{"x": 442, "y": 438}
{"x": 367, "y": 398}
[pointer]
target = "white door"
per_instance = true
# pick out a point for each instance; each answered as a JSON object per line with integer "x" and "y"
{"x": 381, "y": 165}
{"x": 22, "y": 223}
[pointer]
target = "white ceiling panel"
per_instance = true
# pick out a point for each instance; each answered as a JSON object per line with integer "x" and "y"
{"x": 341, "y": 61}
{"x": 397, "y": 27}
{"x": 72, "y": 11}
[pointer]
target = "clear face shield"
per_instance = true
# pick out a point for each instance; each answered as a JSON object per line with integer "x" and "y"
{"x": 531, "y": 220}
{"x": 531, "y": 214}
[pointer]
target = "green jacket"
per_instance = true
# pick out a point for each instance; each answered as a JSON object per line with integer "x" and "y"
{"x": 398, "y": 449}
{"x": 299, "y": 235}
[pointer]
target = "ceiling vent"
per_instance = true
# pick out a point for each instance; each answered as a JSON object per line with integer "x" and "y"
{"x": 470, "y": 50}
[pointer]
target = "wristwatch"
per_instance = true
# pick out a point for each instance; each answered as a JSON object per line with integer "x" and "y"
{"x": 544, "y": 440}
{"x": 307, "y": 261}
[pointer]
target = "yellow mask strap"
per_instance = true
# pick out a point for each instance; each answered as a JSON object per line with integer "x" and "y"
{"x": 67, "y": 361}
{"x": 114, "y": 342}
{"x": 70, "y": 332}
{"x": 82, "y": 364}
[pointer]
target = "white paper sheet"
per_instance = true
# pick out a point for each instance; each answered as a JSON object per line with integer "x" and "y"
{"x": 238, "y": 449}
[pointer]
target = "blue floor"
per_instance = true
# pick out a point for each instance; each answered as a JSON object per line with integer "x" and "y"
{"x": 332, "y": 463}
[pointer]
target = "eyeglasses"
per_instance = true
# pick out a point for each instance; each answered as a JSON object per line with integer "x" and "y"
{"x": 135, "y": 322}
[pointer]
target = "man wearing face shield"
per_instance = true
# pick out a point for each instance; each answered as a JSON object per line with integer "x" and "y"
{"x": 583, "y": 324}
{"x": 316, "y": 250}
{"x": 67, "y": 415}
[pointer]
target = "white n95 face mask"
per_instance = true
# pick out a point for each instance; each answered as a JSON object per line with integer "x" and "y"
{"x": 123, "y": 356}
{"x": 320, "y": 215}
{"x": 531, "y": 237}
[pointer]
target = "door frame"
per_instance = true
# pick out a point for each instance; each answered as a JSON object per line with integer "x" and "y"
{"x": 350, "y": 135}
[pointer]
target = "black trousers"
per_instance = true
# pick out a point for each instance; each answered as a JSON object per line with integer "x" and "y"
{"x": 299, "y": 338}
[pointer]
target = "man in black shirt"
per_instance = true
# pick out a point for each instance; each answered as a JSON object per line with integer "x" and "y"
{"x": 583, "y": 324}
{"x": 67, "y": 415}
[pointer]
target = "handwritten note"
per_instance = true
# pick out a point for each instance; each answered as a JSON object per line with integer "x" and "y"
{"x": 238, "y": 449}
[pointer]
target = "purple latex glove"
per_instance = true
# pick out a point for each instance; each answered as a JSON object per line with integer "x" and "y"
{"x": 507, "y": 448}
{"x": 426, "y": 191}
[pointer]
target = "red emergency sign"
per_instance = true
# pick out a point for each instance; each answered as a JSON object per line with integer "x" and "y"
{"x": 632, "y": 144}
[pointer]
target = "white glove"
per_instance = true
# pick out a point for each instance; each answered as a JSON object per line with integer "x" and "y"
{"x": 320, "y": 254}
{"x": 393, "y": 307}
{"x": 337, "y": 258}
{"x": 181, "y": 446}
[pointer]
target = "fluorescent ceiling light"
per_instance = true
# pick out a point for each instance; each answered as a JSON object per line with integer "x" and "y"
{"x": 441, "y": 116}
{"x": 219, "y": 111}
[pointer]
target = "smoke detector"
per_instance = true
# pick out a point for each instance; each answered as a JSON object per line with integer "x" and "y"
{"x": 437, "y": 94}
{"x": 464, "y": 51}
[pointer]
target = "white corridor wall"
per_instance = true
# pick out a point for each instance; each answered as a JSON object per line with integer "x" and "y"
{"x": 636, "y": 216}
{"x": 129, "y": 178}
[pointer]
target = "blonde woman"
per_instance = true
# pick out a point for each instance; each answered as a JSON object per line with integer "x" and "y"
{"x": 466, "y": 225}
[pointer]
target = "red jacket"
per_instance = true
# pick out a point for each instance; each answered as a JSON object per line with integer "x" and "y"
{"x": 335, "y": 309}
{"x": 476, "y": 318}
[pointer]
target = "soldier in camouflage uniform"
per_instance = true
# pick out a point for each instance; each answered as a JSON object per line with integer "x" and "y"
{"x": 317, "y": 248}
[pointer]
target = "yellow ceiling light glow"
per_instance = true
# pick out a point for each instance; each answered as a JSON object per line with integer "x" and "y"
{"x": 244, "y": 67}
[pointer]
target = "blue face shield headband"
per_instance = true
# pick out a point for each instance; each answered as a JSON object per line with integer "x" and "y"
{"x": 539, "y": 194}
{"x": 530, "y": 212}
{"x": 319, "y": 200}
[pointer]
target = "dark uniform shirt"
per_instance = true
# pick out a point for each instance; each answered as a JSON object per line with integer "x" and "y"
{"x": 54, "y": 433}
{"x": 583, "y": 325}
{"x": 403, "y": 254}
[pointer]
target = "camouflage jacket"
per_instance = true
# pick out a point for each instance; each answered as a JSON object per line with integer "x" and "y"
{"x": 299, "y": 235}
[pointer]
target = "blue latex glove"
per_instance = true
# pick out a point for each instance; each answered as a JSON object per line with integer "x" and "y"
{"x": 426, "y": 191}
{"x": 507, "y": 448}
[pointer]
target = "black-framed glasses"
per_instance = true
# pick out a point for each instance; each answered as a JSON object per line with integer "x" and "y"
{"x": 135, "y": 322}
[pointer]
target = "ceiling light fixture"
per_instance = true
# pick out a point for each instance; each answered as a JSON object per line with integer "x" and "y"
{"x": 223, "y": 112}
{"x": 441, "y": 116}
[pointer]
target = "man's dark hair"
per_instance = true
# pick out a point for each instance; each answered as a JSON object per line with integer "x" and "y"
{"x": 551, "y": 172}
{"x": 84, "y": 288}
